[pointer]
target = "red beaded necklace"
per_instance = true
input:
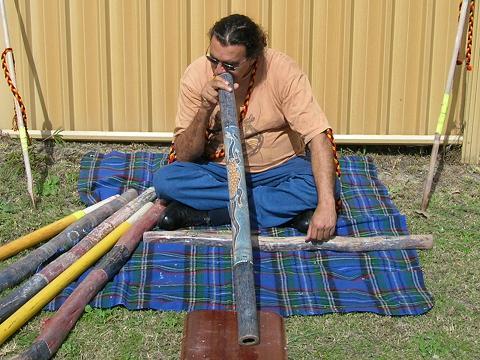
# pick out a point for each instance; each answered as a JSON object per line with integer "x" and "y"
{"x": 244, "y": 107}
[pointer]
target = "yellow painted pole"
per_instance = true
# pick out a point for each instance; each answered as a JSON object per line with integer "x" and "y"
{"x": 444, "y": 109}
{"x": 36, "y": 303}
{"x": 46, "y": 232}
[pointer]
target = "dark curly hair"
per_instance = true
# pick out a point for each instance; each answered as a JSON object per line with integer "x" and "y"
{"x": 239, "y": 29}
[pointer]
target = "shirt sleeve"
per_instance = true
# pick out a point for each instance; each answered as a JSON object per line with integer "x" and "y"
{"x": 189, "y": 98}
{"x": 299, "y": 106}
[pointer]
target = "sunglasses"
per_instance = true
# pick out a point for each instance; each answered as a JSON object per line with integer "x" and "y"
{"x": 226, "y": 66}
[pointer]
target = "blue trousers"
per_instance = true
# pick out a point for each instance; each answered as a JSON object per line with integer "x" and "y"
{"x": 275, "y": 196}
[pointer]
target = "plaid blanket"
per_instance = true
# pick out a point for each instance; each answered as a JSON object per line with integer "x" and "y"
{"x": 186, "y": 278}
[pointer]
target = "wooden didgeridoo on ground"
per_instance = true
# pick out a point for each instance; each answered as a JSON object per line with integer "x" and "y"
{"x": 294, "y": 243}
{"x": 39, "y": 300}
{"x": 26, "y": 266}
{"x": 21, "y": 294}
{"x": 46, "y": 232}
{"x": 242, "y": 267}
{"x": 57, "y": 328}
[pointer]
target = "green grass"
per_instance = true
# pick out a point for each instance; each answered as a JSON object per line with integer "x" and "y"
{"x": 452, "y": 271}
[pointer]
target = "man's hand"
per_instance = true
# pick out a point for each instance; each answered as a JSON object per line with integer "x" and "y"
{"x": 190, "y": 144}
{"x": 322, "y": 224}
{"x": 209, "y": 92}
{"x": 323, "y": 221}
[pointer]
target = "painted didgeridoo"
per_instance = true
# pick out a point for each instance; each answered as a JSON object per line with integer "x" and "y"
{"x": 37, "y": 302}
{"x": 46, "y": 232}
{"x": 242, "y": 267}
{"x": 26, "y": 266}
{"x": 57, "y": 328}
{"x": 22, "y": 293}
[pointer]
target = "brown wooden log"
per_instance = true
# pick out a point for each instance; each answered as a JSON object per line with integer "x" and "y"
{"x": 265, "y": 243}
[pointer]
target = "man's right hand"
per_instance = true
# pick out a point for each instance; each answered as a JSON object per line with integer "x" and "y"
{"x": 190, "y": 144}
{"x": 209, "y": 92}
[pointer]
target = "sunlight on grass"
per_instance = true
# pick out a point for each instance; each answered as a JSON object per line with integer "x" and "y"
{"x": 452, "y": 272}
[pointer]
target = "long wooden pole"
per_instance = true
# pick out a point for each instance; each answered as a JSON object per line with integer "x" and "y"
{"x": 243, "y": 280}
{"x": 26, "y": 266}
{"x": 340, "y": 139}
{"x": 48, "y": 231}
{"x": 444, "y": 108}
{"x": 21, "y": 126}
{"x": 20, "y": 295}
{"x": 35, "y": 304}
{"x": 268, "y": 243}
{"x": 56, "y": 329}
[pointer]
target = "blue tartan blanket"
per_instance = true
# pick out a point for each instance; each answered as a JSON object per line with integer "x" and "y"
{"x": 185, "y": 278}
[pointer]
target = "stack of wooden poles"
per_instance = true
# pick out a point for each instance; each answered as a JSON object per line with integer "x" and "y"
{"x": 110, "y": 230}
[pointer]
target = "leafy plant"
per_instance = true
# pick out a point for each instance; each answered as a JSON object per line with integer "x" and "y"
{"x": 57, "y": 137}
{"x": 71, "y": 349}
{"x": 50, "y": 186}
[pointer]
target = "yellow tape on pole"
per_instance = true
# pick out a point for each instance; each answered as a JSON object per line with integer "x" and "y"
{"x": 443, "y": 113}
{"x": 23, "y": 137}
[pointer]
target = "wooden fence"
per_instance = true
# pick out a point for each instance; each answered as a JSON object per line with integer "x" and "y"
{"x": 377, "y": 67}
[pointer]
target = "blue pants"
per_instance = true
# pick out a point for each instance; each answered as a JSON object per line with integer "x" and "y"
{"x": 275, "y": 196}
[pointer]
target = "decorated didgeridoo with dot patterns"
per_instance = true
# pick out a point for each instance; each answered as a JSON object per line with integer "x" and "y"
{"x": 242, "y": 267}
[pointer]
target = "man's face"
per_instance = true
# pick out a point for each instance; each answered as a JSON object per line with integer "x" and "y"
{"x": 234, "y": 55}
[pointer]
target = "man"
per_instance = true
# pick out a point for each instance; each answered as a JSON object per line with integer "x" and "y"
{"x": 278, "y": 118}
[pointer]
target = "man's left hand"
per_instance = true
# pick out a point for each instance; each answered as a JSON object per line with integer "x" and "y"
{"x": 322, "y": 224}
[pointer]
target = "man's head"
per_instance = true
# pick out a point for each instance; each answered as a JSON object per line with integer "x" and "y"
{"x": 235, "y": 42}
{"x": 240, "y": 30}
